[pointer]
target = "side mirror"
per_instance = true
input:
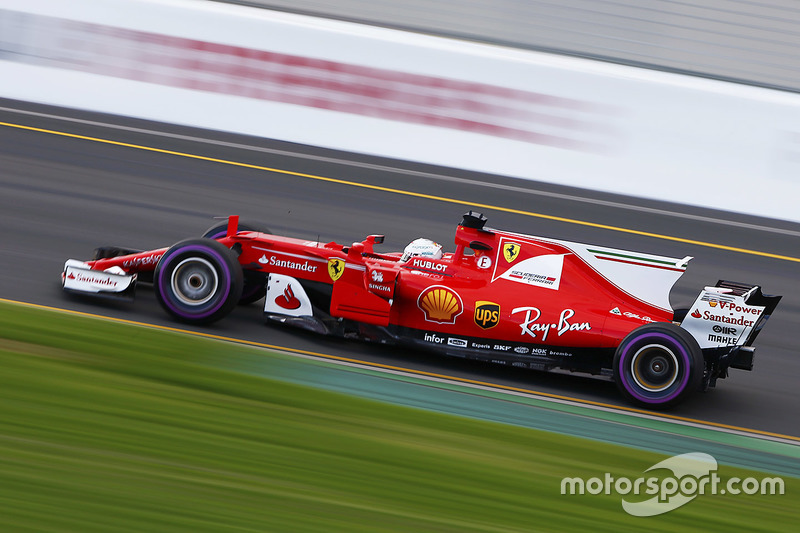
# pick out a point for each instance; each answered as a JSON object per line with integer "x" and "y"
{"x": 480, "y": 246}
{"x": 372, "y": 240}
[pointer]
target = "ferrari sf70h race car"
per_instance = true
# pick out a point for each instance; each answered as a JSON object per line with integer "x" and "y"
{"x": 504, "y": 297}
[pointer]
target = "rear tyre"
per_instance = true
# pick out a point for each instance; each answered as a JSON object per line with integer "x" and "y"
{"x": 658, "y": 365}
{"x": 255, "y": 283}
{"x": 198, "y": 281}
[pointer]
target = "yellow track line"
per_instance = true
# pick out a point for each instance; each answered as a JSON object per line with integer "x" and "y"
{"x": 411, "y": 193}
{"x": 409, "y": 371}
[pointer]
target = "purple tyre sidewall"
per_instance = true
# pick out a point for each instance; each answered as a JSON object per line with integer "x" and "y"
{"x": 684, "y": 373}
{"x": 250, "y": 289}
{"x": 225, "y": 275}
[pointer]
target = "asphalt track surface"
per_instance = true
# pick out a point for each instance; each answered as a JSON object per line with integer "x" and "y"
{"x": 71, "y": 181}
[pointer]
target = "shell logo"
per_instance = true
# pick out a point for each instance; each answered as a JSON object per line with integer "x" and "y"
{"x": 440, "y": 304}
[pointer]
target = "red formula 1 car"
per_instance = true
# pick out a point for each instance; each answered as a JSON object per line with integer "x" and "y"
{"x": 504, "y": 297}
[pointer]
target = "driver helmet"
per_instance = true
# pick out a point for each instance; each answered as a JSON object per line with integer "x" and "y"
{"x": 422, "y": 248}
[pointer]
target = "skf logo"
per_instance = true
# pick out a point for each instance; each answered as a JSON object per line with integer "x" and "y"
{"x": 440, "y": 304}
{"x": 511, "y": 251}
{"x": 487, "y": 314}
{"x": 335, "y": 268}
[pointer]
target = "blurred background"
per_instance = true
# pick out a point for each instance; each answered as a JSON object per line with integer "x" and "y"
{"x": 747, "y": 41}
{"x": 616, "y": 97}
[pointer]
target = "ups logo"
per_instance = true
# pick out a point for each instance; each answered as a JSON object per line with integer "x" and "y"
{"x": 487, "y": 314}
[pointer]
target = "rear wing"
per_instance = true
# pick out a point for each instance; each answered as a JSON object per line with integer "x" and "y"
{"x": 729, "y": 314}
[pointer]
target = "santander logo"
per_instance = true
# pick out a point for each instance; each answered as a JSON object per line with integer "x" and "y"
{"x": 288, "y": 300}
{"x": 95, "y": 280}
{"x": 696, "y": 313}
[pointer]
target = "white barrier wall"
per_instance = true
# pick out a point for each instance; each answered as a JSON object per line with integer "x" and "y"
{"x": 408, "y": 96}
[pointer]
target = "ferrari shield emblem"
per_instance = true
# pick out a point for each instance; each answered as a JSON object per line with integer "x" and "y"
{"x": 335, "y": 268}
{"x": 511, "y": 251}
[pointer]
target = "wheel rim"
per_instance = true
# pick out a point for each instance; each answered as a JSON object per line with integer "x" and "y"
{"x": 194, "y": 281}
{"x": 654, "y": 368}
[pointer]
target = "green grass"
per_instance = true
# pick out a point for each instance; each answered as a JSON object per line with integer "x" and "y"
{"x": 112, "y": 427}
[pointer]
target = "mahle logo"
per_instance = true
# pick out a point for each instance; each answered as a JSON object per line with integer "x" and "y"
{"x": 487, "y": 314}
{"x": 692, "y": 474}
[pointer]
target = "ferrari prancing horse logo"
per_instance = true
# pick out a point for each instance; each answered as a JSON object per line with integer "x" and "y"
{"x": 511, "y": 251}
{"x": 335, "y": 268}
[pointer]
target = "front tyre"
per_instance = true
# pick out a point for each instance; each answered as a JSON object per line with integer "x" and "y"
{"x": 198, "y": 281}
{"x": 255, "y": 283}
{"x": 658, "y": 365}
